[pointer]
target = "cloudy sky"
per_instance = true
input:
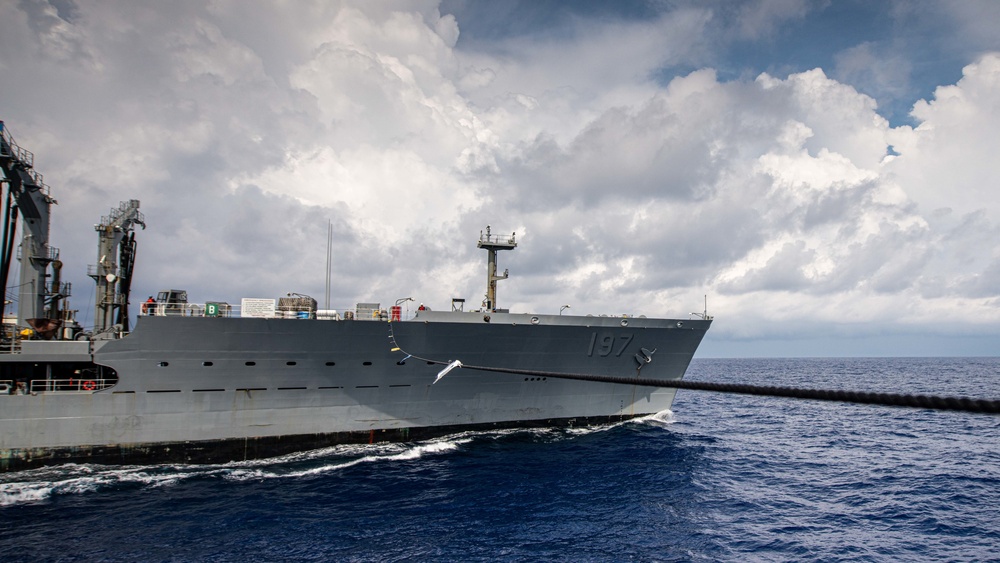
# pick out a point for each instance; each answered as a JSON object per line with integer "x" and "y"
{"x": 825, "y": 172}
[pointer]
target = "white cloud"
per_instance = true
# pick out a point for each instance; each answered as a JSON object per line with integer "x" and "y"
{"x": 243, "y": 136}
{"x": 948, "y": 160}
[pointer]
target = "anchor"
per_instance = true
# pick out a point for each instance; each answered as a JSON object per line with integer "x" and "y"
{"x": 644, "y": 356}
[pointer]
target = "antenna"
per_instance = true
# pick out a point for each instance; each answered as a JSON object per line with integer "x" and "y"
{"x": 493, "y": 243}
{"x": 704, "y": 314}
{"x": 329, "y": 258}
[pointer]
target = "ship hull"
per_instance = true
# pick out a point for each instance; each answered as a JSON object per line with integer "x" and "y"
{"x": 204, "y": 390}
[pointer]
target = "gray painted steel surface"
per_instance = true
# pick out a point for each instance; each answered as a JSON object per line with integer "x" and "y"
{"x": 185, "y": 381}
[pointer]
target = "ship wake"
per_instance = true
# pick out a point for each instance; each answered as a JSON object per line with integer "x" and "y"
{"x": 47, "y": 483}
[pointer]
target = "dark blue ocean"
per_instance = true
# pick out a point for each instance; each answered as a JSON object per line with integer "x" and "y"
{"x": 722, "y": 478}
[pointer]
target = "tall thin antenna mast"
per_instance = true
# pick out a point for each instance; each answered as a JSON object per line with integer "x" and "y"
{"x": 329, "y": 258}
{"x": 493, "y": 243}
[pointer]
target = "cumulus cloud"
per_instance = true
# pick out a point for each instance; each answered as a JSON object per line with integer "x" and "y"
{"x": 790, "y": 201}
{"x": 946, "y": 161}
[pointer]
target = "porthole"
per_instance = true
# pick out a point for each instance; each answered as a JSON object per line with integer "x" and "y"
{"x": 163, "y": 364}
{"x": 206, "y": 364}
{"x": 367, "y": 363}
{"x": 289, "y": 363}
{"x": 624, "y": 322}
{"x": 250, "y": 363}
{"x": 534, "y": 320}
{"x": 328, "y": 364}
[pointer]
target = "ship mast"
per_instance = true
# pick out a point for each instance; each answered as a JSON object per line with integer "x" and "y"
{"x": 493, "y": 243}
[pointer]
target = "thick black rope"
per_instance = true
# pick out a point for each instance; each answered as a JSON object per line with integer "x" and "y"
{"x": 965, "y": 404}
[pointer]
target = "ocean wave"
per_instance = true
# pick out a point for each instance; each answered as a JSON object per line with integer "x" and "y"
{"x": 39, "y": 485}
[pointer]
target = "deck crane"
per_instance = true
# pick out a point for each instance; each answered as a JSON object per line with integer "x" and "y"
{"x": 113, "y": 271}
{"x": 38, "y": 303}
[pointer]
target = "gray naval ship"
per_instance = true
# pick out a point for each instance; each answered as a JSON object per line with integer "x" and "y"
{"x": 213, "y": 382}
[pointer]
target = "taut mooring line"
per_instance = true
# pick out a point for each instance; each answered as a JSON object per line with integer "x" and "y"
{"x": 964, "y": 404}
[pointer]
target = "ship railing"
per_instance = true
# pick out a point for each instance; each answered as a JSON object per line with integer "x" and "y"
{"x": 27, "y": 158}
{"x": 10, "y": 149}
{"x": 64, "y": 289}
{"x": 71, "y": 385}
{"x": 503, "y": 240}
{"x": 48, "y": 253}
{"x": 188, "y": 310}
{"x": 219, "y": 309}
{"x": 10, "y": 339}
{"x": 174, "y": 309}
{"x": 124, "y": 208}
